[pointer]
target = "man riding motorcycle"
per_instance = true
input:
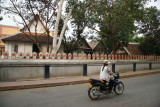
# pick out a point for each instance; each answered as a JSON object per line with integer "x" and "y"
{"x": 105, "y": 75}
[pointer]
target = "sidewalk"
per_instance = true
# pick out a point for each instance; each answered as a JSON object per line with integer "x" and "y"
{"x": 60, "y": 81}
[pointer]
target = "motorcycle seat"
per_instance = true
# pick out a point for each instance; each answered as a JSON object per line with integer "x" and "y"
{"x": 96, "y": 80}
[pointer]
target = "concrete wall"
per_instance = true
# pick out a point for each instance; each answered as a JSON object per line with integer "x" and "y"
{"x": 123, "y": 67}
{"x": 12, "y": 71}
{"x": 155, "y": 65}
{"x": 66, "y": 70}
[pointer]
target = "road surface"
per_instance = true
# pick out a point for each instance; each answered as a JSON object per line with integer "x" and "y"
{"x": 142, "y": 91}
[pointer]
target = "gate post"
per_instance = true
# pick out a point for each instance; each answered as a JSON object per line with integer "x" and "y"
{"x": 134, "y": 67}
{"x": 84, "y": 69}
{"x": 47, "y": 73}
{"x": 113, "y": 67}
{"x": 150, "y": 65}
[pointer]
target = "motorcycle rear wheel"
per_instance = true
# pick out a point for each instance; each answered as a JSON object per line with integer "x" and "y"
{"x": 119, "y": 88}
{"x": 92, "y": 93}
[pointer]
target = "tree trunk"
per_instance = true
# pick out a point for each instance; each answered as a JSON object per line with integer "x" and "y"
{"x": 113, "y": 46}
{"x": 113, "y": 37}
{"x": 38, "y": 46}
{"x": 56, "y": 27}
{"x": 63, "y": 29}
{"x": 48, "y": 44}
{"x": 56, "y": 42}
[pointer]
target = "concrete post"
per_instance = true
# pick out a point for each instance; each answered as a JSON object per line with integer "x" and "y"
{"x": 27, "y": 55}
{"x": 41, "y": 55}
{"x": 89, "y": 56}
{"x": 13, "y": 55}
{"x": 134, "y": 67}
{"x": 84, "y": 56}
{"x": 113, "y": 67}
{"x": 150, "y": 65}
{"x": 105, "y": 56}
{"x": 93, "y": 56}
{"x": 47, "y": 55}
{"x": 84, "y": 69}
{"x": 70, "y": 56}
{"x": 34, "y": 55}
{"x": 47, "y": 71}
{"x": 75, "y": 56}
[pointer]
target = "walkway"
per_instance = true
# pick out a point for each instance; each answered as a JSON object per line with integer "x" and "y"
{"x": 59, "y": 81}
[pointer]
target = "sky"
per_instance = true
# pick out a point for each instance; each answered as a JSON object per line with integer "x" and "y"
{"x": 10, "y": 22}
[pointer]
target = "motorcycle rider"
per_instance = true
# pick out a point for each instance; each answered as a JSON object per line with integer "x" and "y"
{"x": 105, "y": 75}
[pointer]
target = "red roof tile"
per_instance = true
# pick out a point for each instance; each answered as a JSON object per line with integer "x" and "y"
{"x": 133, "y": 49}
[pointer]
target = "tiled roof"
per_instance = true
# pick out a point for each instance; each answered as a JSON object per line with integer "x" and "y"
{"x": 134, "y": 49}
{"x": 21, "y": 37}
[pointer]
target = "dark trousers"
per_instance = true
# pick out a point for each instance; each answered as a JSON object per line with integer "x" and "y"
{"x": 111, "y": 83}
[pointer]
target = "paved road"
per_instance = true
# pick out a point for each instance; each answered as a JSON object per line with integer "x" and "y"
{"x": 141, "y": 91}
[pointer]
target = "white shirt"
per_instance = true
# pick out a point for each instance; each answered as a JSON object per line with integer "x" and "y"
{"x": 105, "y": 74}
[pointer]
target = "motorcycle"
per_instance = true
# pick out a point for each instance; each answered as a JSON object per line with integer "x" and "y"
{"x": 98, "y": 88}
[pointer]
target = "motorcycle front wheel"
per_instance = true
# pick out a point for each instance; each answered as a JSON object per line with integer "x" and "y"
{"x": 93, "y": 93}
{"x": 119, "y": 88}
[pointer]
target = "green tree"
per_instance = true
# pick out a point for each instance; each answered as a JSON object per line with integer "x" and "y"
{"x": 78, "y": 24}
{"x": 150, "y": 28}
{"x": 115, "y": 18}
{"x": 135, "y": 38}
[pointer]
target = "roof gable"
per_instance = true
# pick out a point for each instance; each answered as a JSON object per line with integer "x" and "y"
{"x": 131, "y": 49}
{"x": 93, "y": 44}
{"x": 83, "y": 44}
{"x": 97, "y": 45}
{"x": 32, "y": 25}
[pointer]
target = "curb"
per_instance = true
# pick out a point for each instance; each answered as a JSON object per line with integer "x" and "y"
{"x": 139, "y": 74}
{"x": 7, "y": 88}
{"x": 85, "y": 80}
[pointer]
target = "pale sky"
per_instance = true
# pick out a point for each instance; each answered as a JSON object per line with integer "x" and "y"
{"x": 10, "y": 22}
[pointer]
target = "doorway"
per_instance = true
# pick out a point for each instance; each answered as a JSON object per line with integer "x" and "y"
{"x": 35, "y": 48}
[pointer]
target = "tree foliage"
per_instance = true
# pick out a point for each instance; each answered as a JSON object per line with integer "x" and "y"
{"x": 150, "y": 28}
{"x": 135, "y": 37}
{"x": 117, "y": 20}
{"x": 79, "y": 22}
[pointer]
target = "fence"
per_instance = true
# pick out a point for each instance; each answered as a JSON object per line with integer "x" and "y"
{"x": 75, "y": 56}
{"x": 12, "y": 70}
